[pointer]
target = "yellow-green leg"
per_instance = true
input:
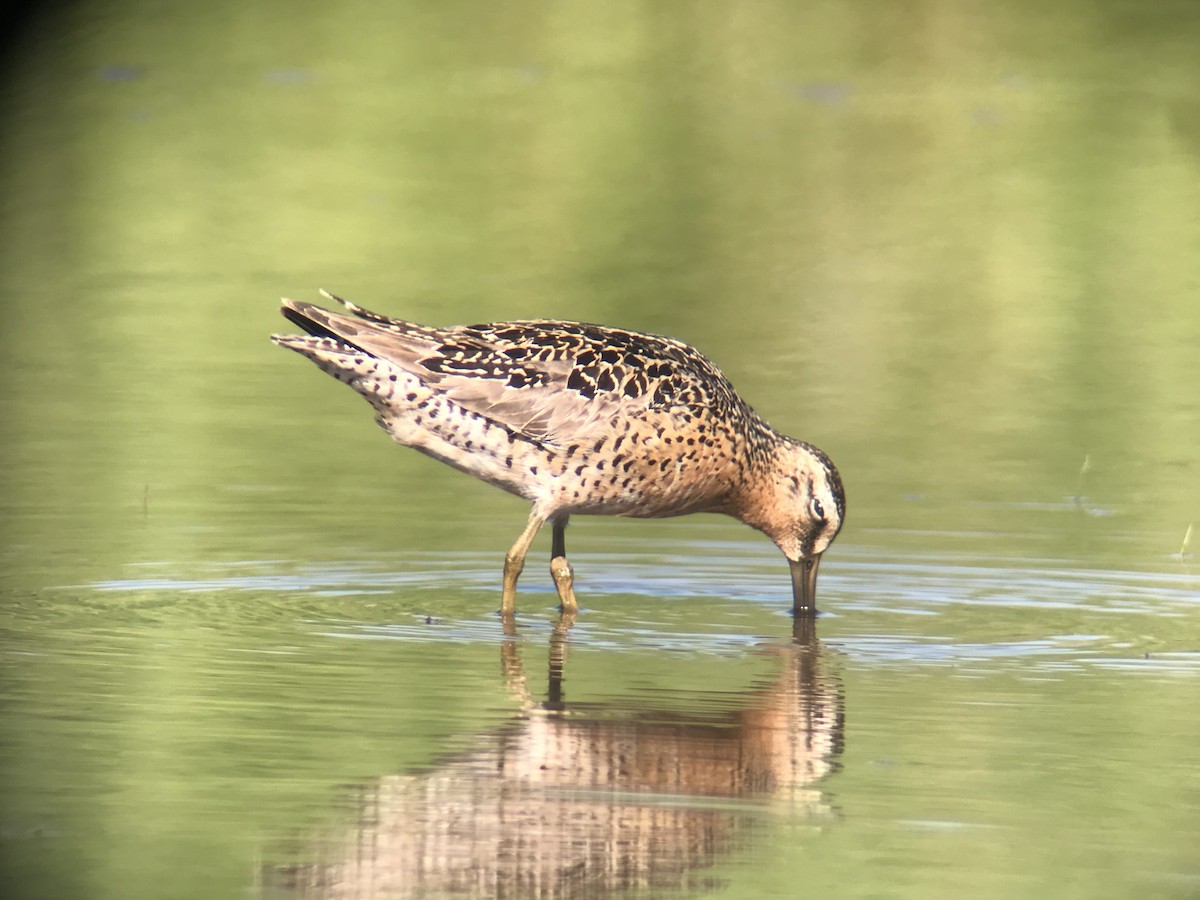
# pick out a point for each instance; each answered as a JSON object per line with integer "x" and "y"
{"x": 514, "y": 562}
{"x": 560, "y": 569}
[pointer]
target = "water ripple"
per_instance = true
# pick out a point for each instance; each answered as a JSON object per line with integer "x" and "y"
{"x": 881, "y": 609}
{"x": 857, "y": 580}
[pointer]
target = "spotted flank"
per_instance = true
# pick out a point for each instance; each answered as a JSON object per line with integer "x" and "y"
{"x": 581, "y": 419}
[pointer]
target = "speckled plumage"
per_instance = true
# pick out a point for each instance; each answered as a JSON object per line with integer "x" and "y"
{"x": 584, "y": 419}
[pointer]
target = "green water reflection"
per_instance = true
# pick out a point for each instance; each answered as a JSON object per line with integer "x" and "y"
{"x": 956, "y": 247}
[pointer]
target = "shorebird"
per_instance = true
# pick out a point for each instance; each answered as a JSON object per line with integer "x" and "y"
{"x": 581, "y": 419}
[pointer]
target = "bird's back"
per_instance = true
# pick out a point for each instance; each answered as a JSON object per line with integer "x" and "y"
{"x": 580, "y": 417}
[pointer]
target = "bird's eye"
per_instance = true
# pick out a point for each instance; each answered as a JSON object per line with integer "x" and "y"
{"x": 818, "y": 511}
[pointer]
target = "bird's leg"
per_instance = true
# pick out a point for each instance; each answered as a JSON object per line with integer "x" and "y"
{"x": 514, "y": 562}
{"x": 560, "y": 569}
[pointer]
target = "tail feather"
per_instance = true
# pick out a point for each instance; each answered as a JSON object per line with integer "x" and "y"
{"x": 319, "y": 322}
{"x": 329, "y": 341}
{"x": 364, "y": 313}
{"x": 359, "y": 323}
{"x": 332, "y": 356}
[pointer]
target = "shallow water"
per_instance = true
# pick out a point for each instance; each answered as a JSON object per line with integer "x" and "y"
{"x": 368, "y": 729}
{"x": 250, "y": 648}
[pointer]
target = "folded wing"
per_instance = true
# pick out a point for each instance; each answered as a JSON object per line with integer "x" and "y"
{"x": 550, "y": 381}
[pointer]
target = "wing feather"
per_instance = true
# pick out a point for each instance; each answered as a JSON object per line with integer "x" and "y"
{"x": 550, "y": 381}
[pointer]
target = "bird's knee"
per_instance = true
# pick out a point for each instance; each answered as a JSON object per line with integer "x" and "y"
{"x": 513, "y": 563}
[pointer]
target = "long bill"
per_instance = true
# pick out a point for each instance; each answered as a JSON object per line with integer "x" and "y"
{"x": 804, "y": 585}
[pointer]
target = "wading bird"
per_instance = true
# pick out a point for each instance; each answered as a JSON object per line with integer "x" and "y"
{"x": 581, "y": 419}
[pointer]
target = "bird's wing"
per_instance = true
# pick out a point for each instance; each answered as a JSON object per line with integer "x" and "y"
{"x": 549, "y": 381}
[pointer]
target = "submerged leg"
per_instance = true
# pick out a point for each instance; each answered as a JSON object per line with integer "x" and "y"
{"x": 514, "y": 562}
{"x": 560, "y": 569}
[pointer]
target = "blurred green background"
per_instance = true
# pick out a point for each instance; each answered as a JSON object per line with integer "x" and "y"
{"x": 957, "y": 246}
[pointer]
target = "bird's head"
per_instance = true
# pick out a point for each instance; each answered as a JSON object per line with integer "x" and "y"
{"x": 801, "y": 510}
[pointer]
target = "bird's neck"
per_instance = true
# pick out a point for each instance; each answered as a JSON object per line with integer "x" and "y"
{"x": 755, "y": 498}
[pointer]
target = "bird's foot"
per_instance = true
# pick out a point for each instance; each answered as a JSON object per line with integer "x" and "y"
{"x": 564, "y": 582}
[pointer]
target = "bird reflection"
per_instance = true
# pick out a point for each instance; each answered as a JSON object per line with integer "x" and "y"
{"x": 595, "y": 801}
